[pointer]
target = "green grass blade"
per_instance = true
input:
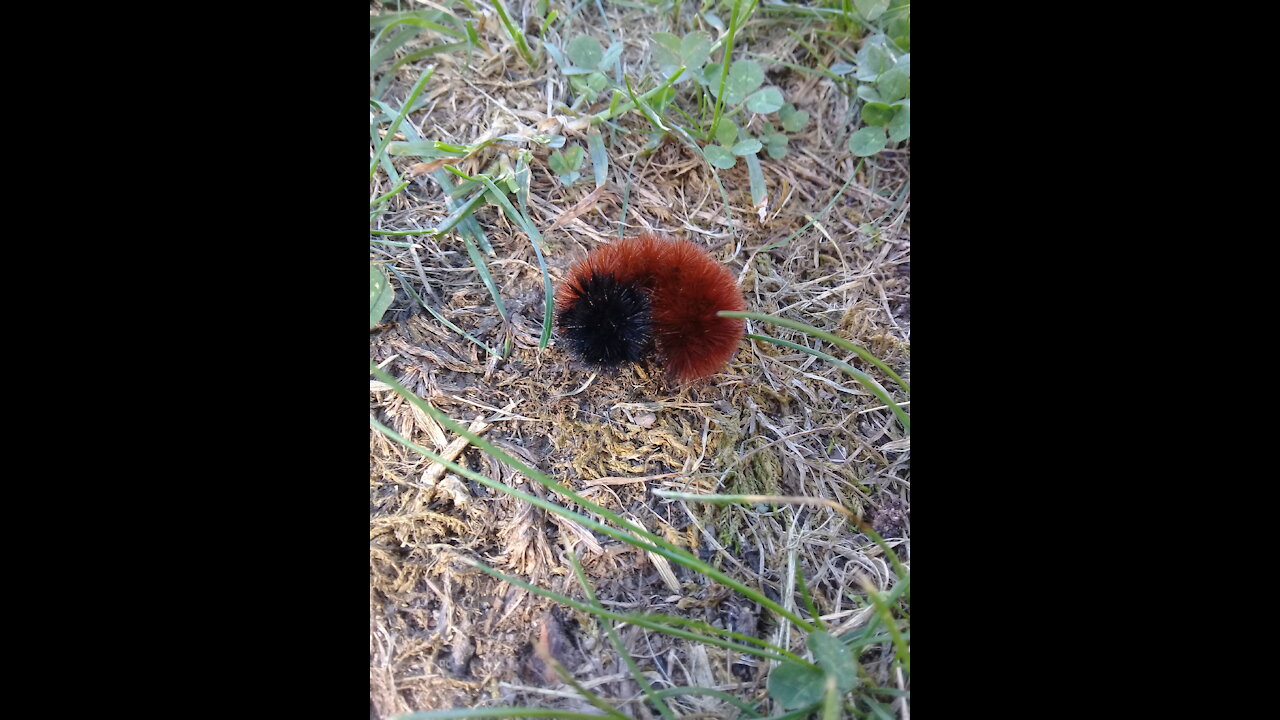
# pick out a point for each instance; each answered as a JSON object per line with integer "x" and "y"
{"x": 734, "y": 23}
{"x": 755, "y": 176}
{"x": 497, "y": 712}
{"x": 626, "y": 197}
{"x": 462, "y": 212}
{"x": 808, "y": 600}
{"x": 478, "y": 261}
{"x": 390, "y": 194}
{"x": 621, "y": 617}
{"x": 516, "y": 35}
{"x": 599, "y": 158}
{"x": 795, "y": 714}
{"x": 655, "y": 543}
{"x": 404, "y": 282}
{"x": 499, "y": 198}
{"x": 747, "y": 708}
{"x": 468, "y": 226}
{"x": 867, "y": 381}
{"x": 390, "y": 73}
{"x": 418, "y": 21}
{"x": 901, "y": 652}
{"x": 641, "y": 681}
{"x": 615, "y": 110}
{"x": 395, "y": 125}
{"x": 829, "y": 337}
{"x": 384, "y": 52}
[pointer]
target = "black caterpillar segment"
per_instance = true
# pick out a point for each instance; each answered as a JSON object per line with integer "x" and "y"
{"x": 608, "y": 322}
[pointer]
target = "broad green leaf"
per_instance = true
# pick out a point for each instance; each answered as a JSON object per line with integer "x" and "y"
{"x": 749, "y": 146}
{"x": 793, "y": 120}
{"x": 795, "y": 686}
{"x": 557, "y": 163}
{"x": 570, "y": 178}
{"x": 777, "y": 146}
{"x": 585, "y": 52}
{"x": 873, "y": 59}
{"x": 727, "y": 133}
{"x": 597, "y": 81}
{"x": 695, "y": 48}
{"x": 566, "y": 66}
{"x": 573, "y": 157}
{"x": 871, "y": 9}
{"x": 610, "y": 56}
{"x": 710, "y": 76}
{"x": 900, "y": 126}
{"x": 836, "y": 658}
{"x": 894, "y": 85}
{"x": 719, "y": 156}
{"x": 672, "y": 52}
{"x": 841, "y": 68}
{"x": 380, "y": 294}
{"x": 877, "y": 113}
{"x": 869, "y": 93}
{"x": 766, "y": 100}
{"x": 867, "y": 141}
{"x": 713, "y": 20}
{"x": 666, "y": 48}
{"x": 744, "y": 77}
{"x": 899, "y": 28}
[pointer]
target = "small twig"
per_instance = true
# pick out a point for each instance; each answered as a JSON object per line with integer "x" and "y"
{"x": 452, "y": 451}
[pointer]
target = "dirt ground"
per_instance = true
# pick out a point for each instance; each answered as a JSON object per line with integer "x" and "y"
{"x": 774, "y": 421}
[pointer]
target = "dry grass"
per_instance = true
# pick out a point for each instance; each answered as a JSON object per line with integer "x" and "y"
{"x": 774, "y": 421}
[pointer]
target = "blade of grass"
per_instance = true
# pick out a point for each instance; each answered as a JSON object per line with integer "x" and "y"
{"x": 615, "y": 110}
{"x": 389, "y": 195}
{"x": 901, "y": 653}
{"x": 421, "y": 22}
{"x": 794, "y": 714}
{"x": 829, "y": 337}
{"x": 755, "y": 176}
{"x": 499, "y": 198}
{"x": 620, "y": 617}
{"x": 734, "y": 23}
{"x": 639, "y": 620}
{"x": 745, "y": 707}
{"x": 470, "y": 225}
{"x": 808, "y": 601}
{"x": 626, "y": 197}
{"x": 565, "y": 676}
{"x": 395, "y": 125}
{"x": 483, "y": 269}
{"x": 497, "y": 712}
{"x": 663, "y": 547}
{"x": 390, "y": 73}
{"x": 599, "y": 158}
{"x": 516, "y": 35}
{"x": 755, "y": 500}
{"x": 376, "y": 57}
{"x": 867, "y": 381}
{"x": 704, "y": 626}
{"x": 404, "y": 283}
{"x": 641, "y": 681}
